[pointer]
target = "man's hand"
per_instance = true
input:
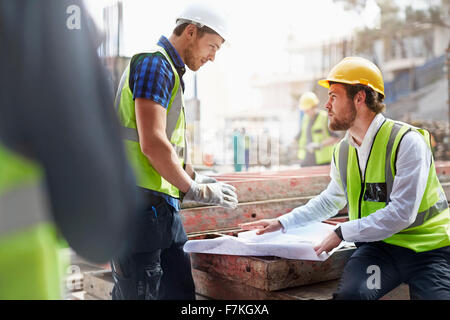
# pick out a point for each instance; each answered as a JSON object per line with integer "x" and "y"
{"x": 213, "y": 193}
{"x": 199, "y": 178}
{"x": 330, "y": 242}
{"x": 263, "y": 226}
{"x": 311, "y": 147}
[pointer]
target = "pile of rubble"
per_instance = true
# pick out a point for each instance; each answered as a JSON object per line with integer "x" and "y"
{"x": 440, "y": 132}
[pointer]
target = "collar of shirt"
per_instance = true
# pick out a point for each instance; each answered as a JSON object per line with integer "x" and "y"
{"x": 173, "y": 54}
{"x": 366, "y": 145}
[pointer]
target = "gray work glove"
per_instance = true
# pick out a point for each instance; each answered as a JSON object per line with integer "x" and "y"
{"x": 218, "y": 193}
{"x": 199, "y": 178}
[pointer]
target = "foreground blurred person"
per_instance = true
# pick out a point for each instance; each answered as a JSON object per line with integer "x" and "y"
{"x": 63, "y": 174}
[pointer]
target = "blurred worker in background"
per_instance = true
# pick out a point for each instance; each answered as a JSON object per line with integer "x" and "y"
{"x": 247, "y": 144}
{"x": 63, "y": 170}
{"x": 316, "y": 142}
{"x": 150, "y": 105}
{"x": 384, "y": 171}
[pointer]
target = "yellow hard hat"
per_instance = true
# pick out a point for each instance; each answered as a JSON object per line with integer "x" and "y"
{"x": 356, "y": 70}
{"x": 308, "y": 100}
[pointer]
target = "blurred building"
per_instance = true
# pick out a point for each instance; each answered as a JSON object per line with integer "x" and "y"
{"x": 412, "y": 60}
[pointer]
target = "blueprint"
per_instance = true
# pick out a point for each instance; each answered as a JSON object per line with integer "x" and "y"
{"x": 295, "y": 243}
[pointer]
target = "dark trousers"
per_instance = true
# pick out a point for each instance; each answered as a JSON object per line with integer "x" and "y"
{"x": 155, "y": 267}
{"x": 376, "y": 268}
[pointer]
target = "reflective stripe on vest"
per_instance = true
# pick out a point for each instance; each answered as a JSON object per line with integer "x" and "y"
{"x": 374, "y": 193}
{"x": 29, "y": 262}
{"x": 147, "y": 176}
{"x": 23, "y": 207}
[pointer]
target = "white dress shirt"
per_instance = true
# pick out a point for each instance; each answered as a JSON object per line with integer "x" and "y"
{"x": 413, "y": 164}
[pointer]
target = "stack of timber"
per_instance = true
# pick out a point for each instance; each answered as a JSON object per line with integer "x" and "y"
{"x": 228, "y": 277}
{"x": 440, "y": 137}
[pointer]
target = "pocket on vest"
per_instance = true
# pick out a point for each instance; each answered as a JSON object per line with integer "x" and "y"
{"x": 376, "y": 192}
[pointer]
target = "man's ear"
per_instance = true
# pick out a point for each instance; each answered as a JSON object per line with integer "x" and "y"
{"x": 190, "y": 32}
{"x": 360, "y": 97}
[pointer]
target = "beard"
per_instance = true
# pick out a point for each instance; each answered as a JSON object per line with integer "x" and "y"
{"x": 345, "y": 121}
{"x": 190, "y": 58}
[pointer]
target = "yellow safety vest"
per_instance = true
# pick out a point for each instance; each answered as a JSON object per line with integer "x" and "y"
{"x": 147, "y": 176}
{"x": 29, "y": 263}
{"x": 431, "y": 229}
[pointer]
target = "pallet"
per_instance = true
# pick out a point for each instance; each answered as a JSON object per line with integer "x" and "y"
{"x": 219, "y": 288}
{"x": 269, "y": 195}
{"x": 276, "y": 185}
{"x": 261, "y": 195}
{"x": 272, "y": 273}
{"x": 211, "y": 218}
{"x": 99, "y": 284}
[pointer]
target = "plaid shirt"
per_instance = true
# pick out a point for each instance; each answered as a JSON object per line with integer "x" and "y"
{"x": 153, "y": 78}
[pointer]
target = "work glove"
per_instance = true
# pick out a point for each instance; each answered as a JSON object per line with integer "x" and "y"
{"x": 217, "y": 193}
{"x": 311, "y": 147}
{"x": 199, "y": 178}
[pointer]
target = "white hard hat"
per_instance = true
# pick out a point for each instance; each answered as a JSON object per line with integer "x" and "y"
{"x": 204, "y": 15}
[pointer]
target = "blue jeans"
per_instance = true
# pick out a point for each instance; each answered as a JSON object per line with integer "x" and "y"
{"x": 155, "y": 267}
{"x": 426, "y": 273}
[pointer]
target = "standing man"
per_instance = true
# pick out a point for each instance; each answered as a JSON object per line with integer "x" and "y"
{"x": 316, "y": 142}
{"x": 151, "y": 110}
{"x": 384, "y": 171}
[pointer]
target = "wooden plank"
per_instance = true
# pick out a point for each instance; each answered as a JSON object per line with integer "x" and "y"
{"x": 91, "y": 297}
{"x": 269, "y": 198}
{"x": 214, "y": 218}
{"x": 301, "y": 182}
{"x": 399, "y": 293}
{"x": 281, "y": 188}
{"x": 210, "y": 286}
{"x": 219, "y": 288}
{"x": 78, "y": 295}
{"x": 270, "y": 188}
{"x": 272, "y": 273}
{"x": 99, "y": 284}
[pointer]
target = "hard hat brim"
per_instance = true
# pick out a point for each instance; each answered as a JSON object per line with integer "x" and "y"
{"x": 326, "y": 84}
